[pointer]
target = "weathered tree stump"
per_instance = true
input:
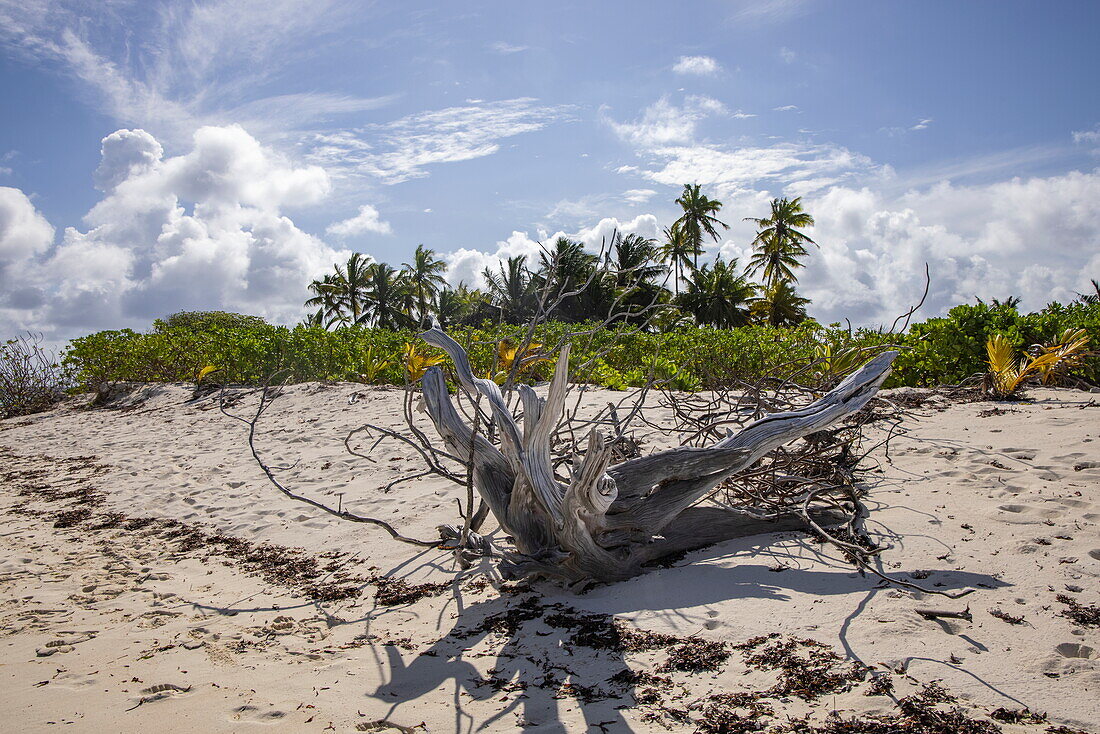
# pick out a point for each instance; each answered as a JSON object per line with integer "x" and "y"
{"x": 608, "y": 521}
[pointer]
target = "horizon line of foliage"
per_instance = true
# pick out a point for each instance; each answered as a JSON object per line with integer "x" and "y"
{"x": 942, "y": 350}
{"x": 628, "y": 278}
{"x": 720, "y": 327}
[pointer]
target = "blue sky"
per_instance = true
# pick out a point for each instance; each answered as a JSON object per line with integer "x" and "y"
{"x": 260, "y": 141}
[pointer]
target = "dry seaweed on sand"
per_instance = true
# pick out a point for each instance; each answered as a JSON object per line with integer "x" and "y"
{"x": 1006, "y": 617}
{"x": 1017, "y": 716}
{"x": 696, "y": 655}
{"x": 807, "y": 668}
{"x": 1083, "y": 614}
{"x": 733, "y": 713}
{"x": 391, "y": 592}
{"x": 604, "y": 632}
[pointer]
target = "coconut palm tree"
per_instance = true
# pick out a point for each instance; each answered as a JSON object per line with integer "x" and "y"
{"x": 718, "y": 296}
{"x": 327, "y": 300}
{"x": 633, "y": 258}
{"x": 386, "y": 290}
{"x": 512, "y": 289}
{"x": 461, "y": 305}
{"x": 567, "y": 269}
{"x": 425, "y": 279}
{"x": 698, "y": 218}
{"x": 779, "y": 243}
{"x": 351, "y": 286}
{"x": 780, "y": 305}
{"x": 679, "y": 252}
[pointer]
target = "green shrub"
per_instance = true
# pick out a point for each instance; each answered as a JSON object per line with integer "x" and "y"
{"x": 248, "y": 350}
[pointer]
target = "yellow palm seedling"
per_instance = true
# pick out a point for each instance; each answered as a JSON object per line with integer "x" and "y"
{"x": 508, "y": 355}
{"x": 373, "y": 366}
{"x": 839, "y": 361}
{"x": 1071, "y": 349}
{"x": 204, "y": 372}
{"x": 1006, "y": 374}
{"x": 417, "y": 363}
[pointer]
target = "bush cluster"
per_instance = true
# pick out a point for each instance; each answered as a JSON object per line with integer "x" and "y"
{"x": 247, "y": 350}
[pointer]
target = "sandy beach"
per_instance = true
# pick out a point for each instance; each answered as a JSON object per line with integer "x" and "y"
{"x": 152, "y": 580}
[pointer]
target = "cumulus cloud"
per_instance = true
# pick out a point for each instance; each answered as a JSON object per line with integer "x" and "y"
{"x": 367, "y": 220}
{"x": 24, "y": 235}
{"x": 124, "y": 153}
{"x": 1035, "y": 238}
{"x": 697, "y": 65}
{"x": 200, "y": 230}
{"x": 665, "y": 123}
{"x": 467, "y": 265}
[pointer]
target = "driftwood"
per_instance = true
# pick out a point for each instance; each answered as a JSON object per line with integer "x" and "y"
{"x": 606, "y": 522}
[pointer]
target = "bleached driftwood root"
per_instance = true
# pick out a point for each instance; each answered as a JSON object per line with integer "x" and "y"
{"x": 606, "y": 521}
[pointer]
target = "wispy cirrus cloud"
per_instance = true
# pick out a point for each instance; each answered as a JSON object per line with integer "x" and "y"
{"x": 762, "y": 12}
{"x": 665, "y": 138}
{"x": 501, "y": 47}
{"x": 174, "y": 67}
{"x": 405, "y": 148}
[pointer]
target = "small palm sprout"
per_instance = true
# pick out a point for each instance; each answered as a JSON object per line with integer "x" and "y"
{"x": 1006, "y": 375}
{"x": 1071, "y": 348}
{"x": 510, "y": 358}
{"x": 417, "y": 363}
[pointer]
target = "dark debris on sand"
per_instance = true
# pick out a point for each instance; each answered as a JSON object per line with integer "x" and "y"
{"x": 320, "y": 578}
{"x": 807, "y": 668}
{"x": 392, "y": 592}
{"x": 1084, "y": 615}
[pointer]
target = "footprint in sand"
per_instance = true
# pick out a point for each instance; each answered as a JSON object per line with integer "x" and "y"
{"x": 1026, "y": 514}
{"x": 712, "y": 624}
{"x": 248, "y": 712}
{"x": 1076, "y": 650}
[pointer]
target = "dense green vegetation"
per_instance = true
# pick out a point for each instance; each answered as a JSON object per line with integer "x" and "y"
{"x": 708, "y": 326}
{"x": 937, "y": 351}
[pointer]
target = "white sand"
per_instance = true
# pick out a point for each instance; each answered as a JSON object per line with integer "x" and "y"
{"x": 1009, "y": 501}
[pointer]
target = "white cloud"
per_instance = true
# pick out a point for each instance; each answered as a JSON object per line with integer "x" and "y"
{"x": 507, "y": 48}
{"x": 190, "y": 64}
{"x": 638, "y": 196}
{"x": 922, "y": 124}
{"x": 24, "y": 236}
{"x": 786, "y": 108}
{"x": 730, "y": 170}
{"x": 1035, "y": 239}
{"x": 697, "y": 65}
{"x": 664, "y": 123}
{"x": 761, "y": 12}
{"x": 403, "y": 149}
{"x": 1088, "y": 137}
{"x": 467, "y": 265}
{"x": 202, "y": 230}
{"x": 125, "y": 153}
{"x": 787, "y": 55}
{"x": 367, "y": 220}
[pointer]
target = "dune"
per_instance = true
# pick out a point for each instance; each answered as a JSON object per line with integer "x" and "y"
{"x": 152, "y": 580}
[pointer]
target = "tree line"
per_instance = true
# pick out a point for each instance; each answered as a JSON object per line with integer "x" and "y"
{"x": 630, "y": 281}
